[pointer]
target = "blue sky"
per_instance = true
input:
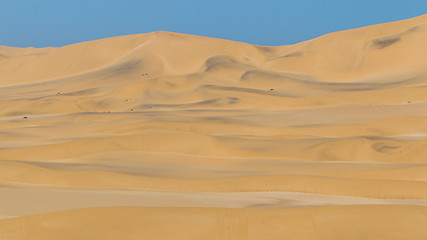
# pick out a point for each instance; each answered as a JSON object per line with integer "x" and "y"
{"x": 41, "y": 23}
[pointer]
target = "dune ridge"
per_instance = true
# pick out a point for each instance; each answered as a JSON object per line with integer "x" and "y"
{"x": 343, "y": 115}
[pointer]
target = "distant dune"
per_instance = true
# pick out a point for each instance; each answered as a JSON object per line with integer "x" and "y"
{"x": 173, "y": 136}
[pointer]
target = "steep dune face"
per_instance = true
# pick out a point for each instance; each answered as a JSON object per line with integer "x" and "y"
{"x": 343, "y": 114}
{"x": 361, "y": 55}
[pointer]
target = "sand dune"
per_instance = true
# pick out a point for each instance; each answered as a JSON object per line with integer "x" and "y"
{"x": 213, "y": 138}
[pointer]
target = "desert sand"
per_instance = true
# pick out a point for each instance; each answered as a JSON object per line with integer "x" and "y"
{"x": 174, "y": 136}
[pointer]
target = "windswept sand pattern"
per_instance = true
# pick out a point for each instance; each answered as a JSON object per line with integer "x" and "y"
{"x": 214, "y": 139}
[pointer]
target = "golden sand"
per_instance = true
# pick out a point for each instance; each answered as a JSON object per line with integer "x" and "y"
{"x": 173, "y": 136}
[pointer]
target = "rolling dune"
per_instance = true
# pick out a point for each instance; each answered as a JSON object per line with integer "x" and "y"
{"x": 167, "y": 135}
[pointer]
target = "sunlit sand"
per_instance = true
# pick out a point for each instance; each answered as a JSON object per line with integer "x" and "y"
{"x": 173, "y": 136}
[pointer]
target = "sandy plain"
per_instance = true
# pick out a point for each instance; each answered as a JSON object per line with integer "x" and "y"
{"x": 174, "y": 136}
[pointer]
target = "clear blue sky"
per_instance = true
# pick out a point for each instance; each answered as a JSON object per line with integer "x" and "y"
{"x": 41, "y": 23}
